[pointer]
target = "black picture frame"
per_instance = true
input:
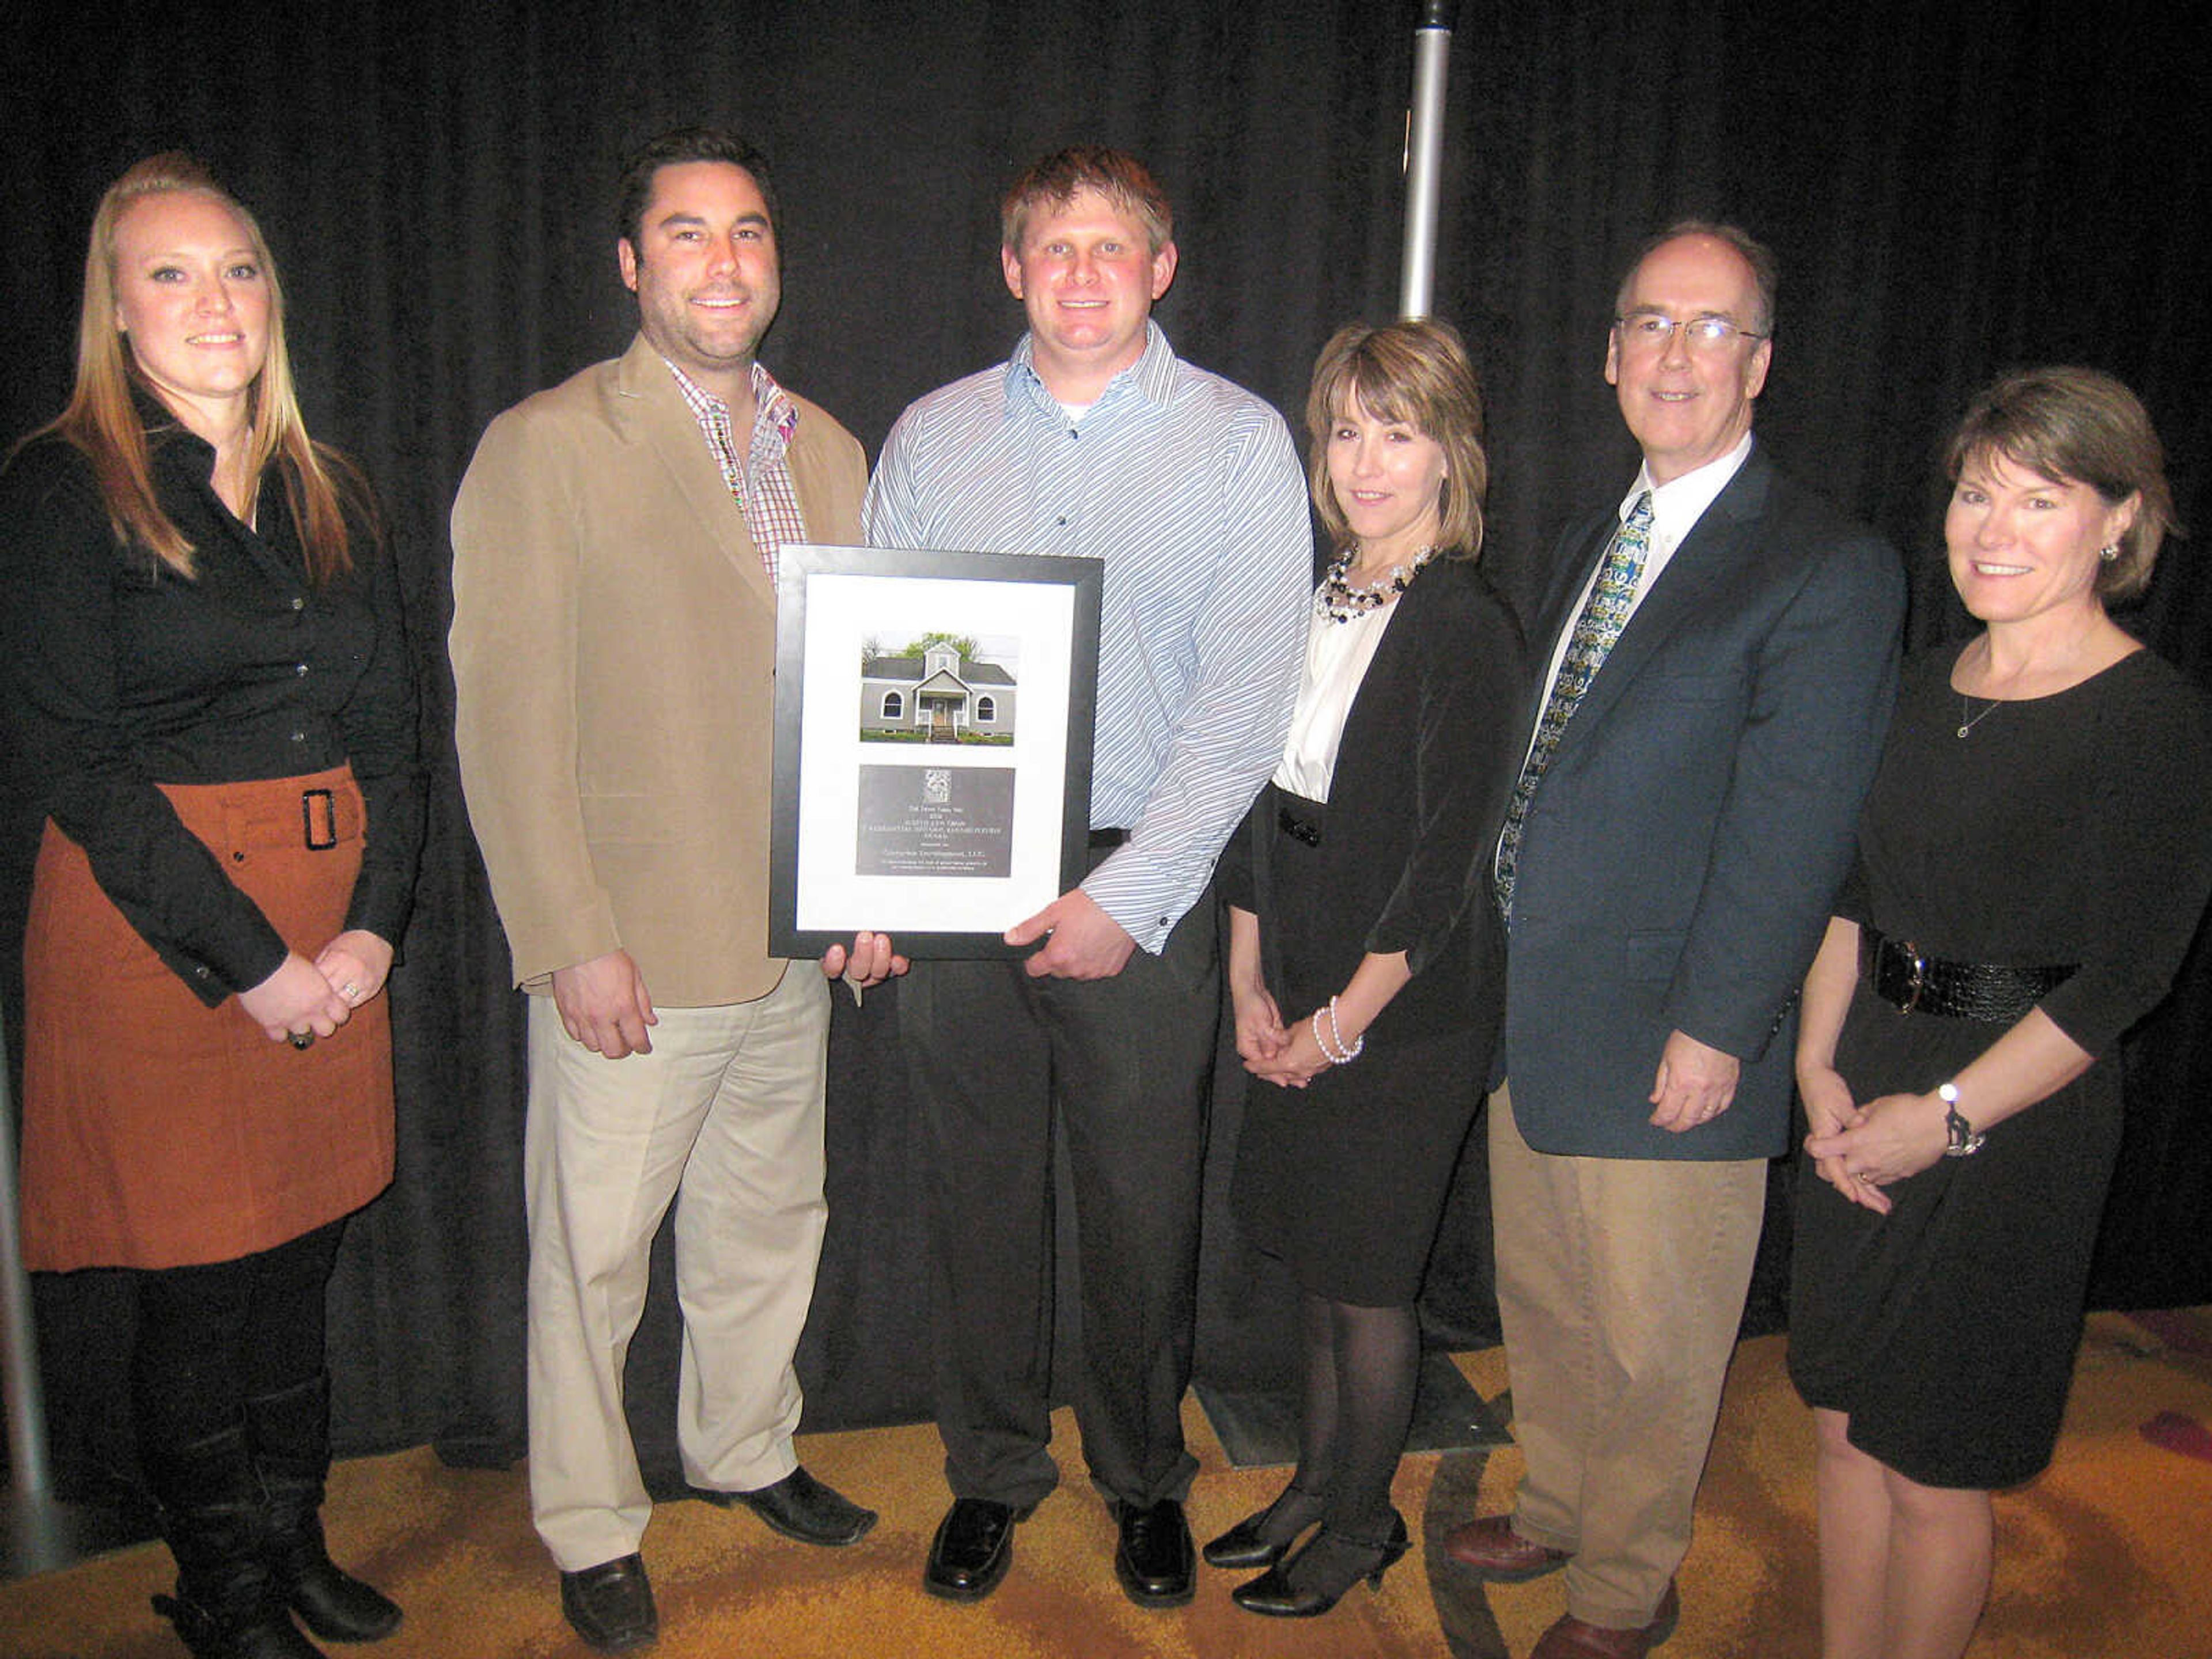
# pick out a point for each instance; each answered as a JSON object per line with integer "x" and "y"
{"x": 945, "y": 819}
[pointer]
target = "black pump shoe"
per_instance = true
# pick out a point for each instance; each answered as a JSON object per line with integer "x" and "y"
{"x": 1246, "y": 1545}
{"x": 1334, "y": 1562}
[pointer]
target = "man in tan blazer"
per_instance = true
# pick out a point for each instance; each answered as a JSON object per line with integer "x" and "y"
{"x": 614, "y": 650}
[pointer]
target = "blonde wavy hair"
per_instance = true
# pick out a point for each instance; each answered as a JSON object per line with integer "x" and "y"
{"x": 101, "y": 420}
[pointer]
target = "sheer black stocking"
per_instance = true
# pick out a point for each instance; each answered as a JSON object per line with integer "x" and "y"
{"x": 1376, "y": 1353}
{"x": 1299, "y": 1506}
{"x": 1360, "y": 1365}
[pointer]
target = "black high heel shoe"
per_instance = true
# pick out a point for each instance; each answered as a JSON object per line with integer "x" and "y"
{"x": 1331, "y": 1563}
{"x": 1246, "y": 1545}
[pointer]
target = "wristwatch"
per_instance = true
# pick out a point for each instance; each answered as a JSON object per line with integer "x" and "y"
{"x": 1965, "y": 1142}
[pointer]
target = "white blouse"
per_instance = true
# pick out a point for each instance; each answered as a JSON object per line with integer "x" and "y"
{"x": 1337, "y": 656}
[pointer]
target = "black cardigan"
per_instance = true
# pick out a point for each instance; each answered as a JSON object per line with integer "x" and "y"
{"x": 1430, "y": 747}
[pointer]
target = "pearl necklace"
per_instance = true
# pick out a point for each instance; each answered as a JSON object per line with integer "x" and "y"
{"x": 1340, "y": 601}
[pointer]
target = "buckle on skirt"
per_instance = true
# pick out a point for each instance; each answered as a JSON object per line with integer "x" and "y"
{"x": 318, "y": 838}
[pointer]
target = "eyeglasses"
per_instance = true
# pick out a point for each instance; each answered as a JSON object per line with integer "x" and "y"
{"x": 1653, "y": 330}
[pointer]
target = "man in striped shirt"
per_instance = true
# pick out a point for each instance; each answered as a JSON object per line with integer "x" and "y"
{"x": 1097, "y": 440}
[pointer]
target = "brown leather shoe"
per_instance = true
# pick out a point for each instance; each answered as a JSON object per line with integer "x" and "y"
{"x": 1573, "y": 1639}
{"x": 1499, "y": 1554}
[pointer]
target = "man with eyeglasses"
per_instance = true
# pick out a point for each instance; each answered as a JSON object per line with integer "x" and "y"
{"x": 1723, "y": 652}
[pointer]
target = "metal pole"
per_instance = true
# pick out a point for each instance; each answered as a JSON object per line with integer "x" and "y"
{"x": 19, "y": 1346}
{"x": 38, "y": 1533}
{"x": 1423, "y": 154}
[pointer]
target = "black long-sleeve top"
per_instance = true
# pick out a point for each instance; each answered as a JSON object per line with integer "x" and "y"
{"x": 122, "y": 674}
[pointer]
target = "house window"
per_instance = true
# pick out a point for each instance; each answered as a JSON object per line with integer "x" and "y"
{"x": 986, "y": 709}
{"x": 894, "y": 706}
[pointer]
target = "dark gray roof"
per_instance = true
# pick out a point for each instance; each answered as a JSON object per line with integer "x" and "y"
{"x": 909, "y": 668}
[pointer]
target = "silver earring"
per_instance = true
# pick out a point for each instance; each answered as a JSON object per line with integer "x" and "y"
{"x": 2110, "y": 551}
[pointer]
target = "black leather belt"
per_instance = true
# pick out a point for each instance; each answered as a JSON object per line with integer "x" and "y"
{"x": 1101, "y": 839}
{"x": 1913, "y": 982}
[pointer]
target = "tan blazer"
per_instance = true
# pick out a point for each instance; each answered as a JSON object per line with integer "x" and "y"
{"x": 614, "y": 657}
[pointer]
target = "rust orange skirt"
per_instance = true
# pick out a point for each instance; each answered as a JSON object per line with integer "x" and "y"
{"x": 159, "y": 1132}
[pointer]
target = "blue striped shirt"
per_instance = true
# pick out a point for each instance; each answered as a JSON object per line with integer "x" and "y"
{"x": 1190, "y": 490}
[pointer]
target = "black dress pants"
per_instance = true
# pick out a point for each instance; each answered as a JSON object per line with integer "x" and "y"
{"x": 1003, "y": 1065}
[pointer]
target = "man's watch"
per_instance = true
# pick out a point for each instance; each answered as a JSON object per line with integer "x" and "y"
{"x": 1964, "y": 1141}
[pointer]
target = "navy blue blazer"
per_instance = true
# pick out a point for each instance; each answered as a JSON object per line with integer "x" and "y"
{"x": 1678, "y": 860}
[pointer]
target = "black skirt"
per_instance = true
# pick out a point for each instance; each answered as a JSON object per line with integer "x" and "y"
{"x": 1345, "y": 1179}
{"x": 1946, "y": 1330}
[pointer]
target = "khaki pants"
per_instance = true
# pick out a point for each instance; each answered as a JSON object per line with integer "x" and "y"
{"x": 1620, "y": 1285}
{"x": 727, "y": 1113}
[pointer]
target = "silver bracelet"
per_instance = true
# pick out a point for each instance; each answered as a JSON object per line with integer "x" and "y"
{"x": 1964, "y": 1141}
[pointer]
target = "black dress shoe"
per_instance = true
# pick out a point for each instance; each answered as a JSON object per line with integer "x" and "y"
{"x": 1154, "y": 1559}
{"x": 1315, "y": 1580}
{"x": 610, "y": 1605}
{"x": 800, "y": 1506}
{"x": 973, "y": 1548}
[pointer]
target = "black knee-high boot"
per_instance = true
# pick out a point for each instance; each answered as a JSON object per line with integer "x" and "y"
{"x": 291, "y": 1432}
{"x": 215, "y": 1516}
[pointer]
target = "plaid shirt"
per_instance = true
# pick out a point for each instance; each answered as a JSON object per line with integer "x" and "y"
{"x": 761, "y": 483}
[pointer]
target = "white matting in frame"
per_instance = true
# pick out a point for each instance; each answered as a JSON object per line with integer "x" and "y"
{"x": 933, "y": 719}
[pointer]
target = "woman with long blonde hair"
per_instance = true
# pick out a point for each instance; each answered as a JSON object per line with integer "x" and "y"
{"x": 209, "y": 684}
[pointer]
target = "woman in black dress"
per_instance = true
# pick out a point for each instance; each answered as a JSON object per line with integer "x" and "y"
{"x": 209, "y": 689}
{"x": 2034, "y": 858}
{"x": 1361, "y": 932}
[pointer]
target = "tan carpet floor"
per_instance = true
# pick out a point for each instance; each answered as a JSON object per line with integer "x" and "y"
{"x": 2110, "y": 1553}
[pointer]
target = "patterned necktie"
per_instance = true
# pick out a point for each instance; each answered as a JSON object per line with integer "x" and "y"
{"x": 1603, "y": 615}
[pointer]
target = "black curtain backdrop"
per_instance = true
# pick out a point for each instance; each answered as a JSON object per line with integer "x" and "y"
{"x": 1951, "y": 191}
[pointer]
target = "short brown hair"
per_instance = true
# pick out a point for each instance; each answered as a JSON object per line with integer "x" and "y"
{"x": 1416, "y": 372}
{"x": 634, "y": 190}
{"x": 1120, "y": 178}
{"x": 2078, "y": 426}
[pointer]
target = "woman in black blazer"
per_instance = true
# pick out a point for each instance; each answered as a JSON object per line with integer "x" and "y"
{"x": 1361, "y": 932}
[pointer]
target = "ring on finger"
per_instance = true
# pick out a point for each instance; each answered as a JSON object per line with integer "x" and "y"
{"x": 301, "y": 1040}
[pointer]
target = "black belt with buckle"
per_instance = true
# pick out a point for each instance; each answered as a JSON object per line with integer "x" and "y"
{"x": 1913, "y": 982}
{"x": 1300, "y": 819}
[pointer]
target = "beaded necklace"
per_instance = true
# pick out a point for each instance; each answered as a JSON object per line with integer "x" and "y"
{"x": 1340, "y": 601}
